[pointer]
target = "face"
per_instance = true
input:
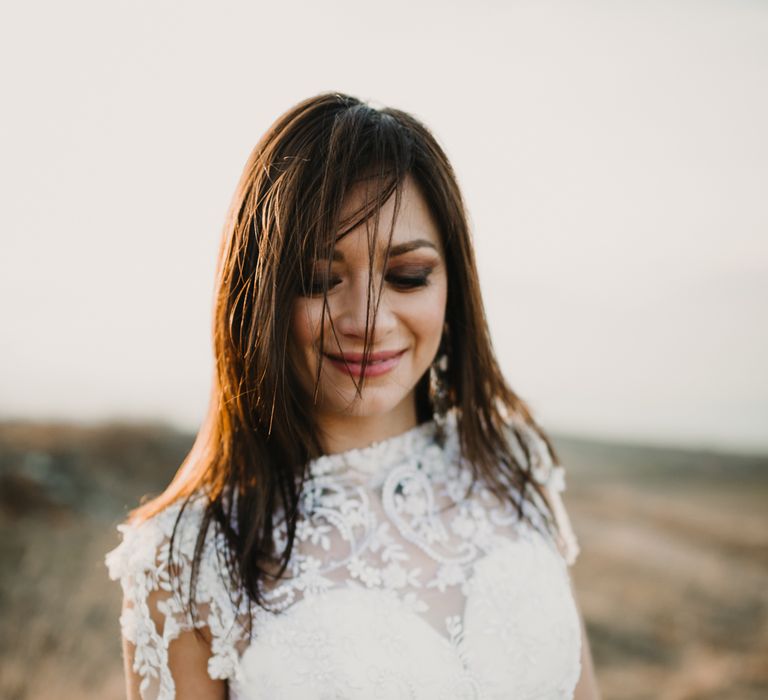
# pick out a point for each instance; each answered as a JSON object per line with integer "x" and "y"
{"x": 409, "y": 320}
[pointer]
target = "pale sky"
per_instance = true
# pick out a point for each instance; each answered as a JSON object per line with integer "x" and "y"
{"x": 613, "y": 157}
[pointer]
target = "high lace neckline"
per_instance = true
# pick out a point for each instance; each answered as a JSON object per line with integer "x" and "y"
{"x": 377, "y": 458}
{"x": 436, "y": 585}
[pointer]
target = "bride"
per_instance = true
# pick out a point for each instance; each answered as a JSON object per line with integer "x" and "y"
{"x": 368, "y": 511}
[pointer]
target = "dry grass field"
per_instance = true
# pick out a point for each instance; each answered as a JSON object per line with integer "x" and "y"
{"x": 672, "y": 579}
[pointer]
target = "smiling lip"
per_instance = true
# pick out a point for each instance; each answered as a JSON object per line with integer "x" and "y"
{"x": 380, "y": 362}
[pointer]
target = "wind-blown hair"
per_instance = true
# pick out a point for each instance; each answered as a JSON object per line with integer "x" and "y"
{"x": 251, "y": 452}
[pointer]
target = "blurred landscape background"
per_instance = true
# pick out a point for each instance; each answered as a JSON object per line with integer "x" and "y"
{"x": 672, "y": 578}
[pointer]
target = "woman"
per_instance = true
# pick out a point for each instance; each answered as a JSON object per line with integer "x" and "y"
{"x": 368, "y": 509}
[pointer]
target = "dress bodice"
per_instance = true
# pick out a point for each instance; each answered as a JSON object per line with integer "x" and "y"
{"x": 407, "y": 581}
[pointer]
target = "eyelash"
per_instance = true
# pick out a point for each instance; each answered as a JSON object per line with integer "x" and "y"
{"x": 402, "y": 282}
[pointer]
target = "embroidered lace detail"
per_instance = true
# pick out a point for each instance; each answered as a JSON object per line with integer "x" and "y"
{"x": 375, "y": 458}
{"x": 151, "y": 592}
{"x": 400, "y": 585}
{"x": 552, "y": 477}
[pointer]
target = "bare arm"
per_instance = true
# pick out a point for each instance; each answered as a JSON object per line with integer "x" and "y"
{"x": 586, "y": 688}
{"x": 188, "y": 662}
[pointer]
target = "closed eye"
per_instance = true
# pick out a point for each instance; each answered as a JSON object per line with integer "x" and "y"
{"x": 405, "y": 277}
{"x": 408, "y": 281}
{"x": 402, "y": 280}
{"x": 316, "y": 288}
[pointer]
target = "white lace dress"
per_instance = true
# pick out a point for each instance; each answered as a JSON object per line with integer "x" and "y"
{"x": 400, "y": 587}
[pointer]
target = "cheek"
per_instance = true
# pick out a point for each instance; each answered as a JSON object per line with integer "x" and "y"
{"x": 304, "y": 324}
{"x": 427, "y": 318}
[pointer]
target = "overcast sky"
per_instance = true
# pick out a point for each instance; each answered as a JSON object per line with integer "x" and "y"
{"x": 613, "y": 156}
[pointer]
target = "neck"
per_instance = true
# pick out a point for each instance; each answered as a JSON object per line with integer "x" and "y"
{"x": 339, "y": 432}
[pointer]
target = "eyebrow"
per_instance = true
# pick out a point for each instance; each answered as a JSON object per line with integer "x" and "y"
{"x": 399, "y": 249}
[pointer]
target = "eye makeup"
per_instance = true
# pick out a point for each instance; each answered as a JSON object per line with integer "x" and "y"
{"x": 316, "y": 288}
{"x": 410, "y": 276}
{"x": 401, "y": 277}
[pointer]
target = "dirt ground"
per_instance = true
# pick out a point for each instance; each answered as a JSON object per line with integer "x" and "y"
{"x": 672, "y": 577}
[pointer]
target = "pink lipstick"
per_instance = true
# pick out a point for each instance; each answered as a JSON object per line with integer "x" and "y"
{"x": 379, "y": 362}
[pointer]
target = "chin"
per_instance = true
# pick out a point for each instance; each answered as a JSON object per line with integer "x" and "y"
{"x": 369, "y": 406}
{"x": 369, "y": 410}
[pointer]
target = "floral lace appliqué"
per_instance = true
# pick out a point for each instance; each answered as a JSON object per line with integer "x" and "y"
{"x": 400, "y": 586}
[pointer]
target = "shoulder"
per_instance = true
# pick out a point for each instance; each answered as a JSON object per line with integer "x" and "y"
{"x": 154, "y": 565}
{"x": 145, "y": 547}
{"x": 529, "y": 446}
{"x": 550, "y": 477}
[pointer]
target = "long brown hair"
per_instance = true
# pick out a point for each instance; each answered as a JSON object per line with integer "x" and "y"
{"x": 251, "y": 452}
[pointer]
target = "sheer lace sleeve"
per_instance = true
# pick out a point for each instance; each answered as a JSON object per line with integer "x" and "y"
{"x": 568, "y": 542}
{"x": 551, "y": 477}
{"x": 153, "y": 612}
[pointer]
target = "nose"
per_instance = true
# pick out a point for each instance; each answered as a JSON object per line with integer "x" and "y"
{"x": 349, "y": 309}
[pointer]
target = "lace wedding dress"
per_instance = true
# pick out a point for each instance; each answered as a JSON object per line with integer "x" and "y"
{"x": 400, "y": 587}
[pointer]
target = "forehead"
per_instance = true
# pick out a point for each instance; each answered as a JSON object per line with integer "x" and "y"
{"x": 414, "y": 229}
